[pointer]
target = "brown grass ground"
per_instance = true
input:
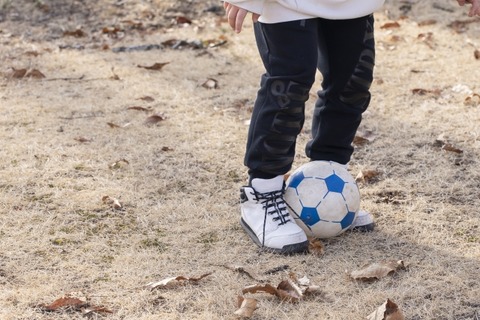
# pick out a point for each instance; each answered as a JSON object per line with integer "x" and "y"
{"x": 178, "y": 180}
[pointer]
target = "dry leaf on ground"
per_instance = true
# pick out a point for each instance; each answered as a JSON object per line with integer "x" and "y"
{"x": 154, "y": 118}
{"x": 113, "y": 202}
{"x": 316, "y": 247}
{"x": 367, "y": 176}
{"x": 210, "y": 84}
{"x": 246, "y": 307}
{"x": 390, "y": 25}
{"x": 147, "y": 99}
{"x": 171, "y": 280}
{"x": 443, "y": 143}
{"x": 82, "y": 139}
{"x": 289, "y": 290}
{"x": 246, "y": 271}
{"x": 64, "y": 303}
{"x": 377, "y": 270}
{"x": 69, "y": 303}
{"x": 113, "y": 125}
{"x": 156, "y": 66}
{"x": 138, "y": 108}
{"x": 35, "y": 74}
{"x": 266, "y": 288}
{"x": 364, "y": 137}
{"x": 88, "y": 312}
{"x": 474, "y": 98}
{"x": 77, "y": 33}
{"x": 387, "y": 311}
{"x": 18, "y": 73}
{"x": 423, "y": 92}
{"x": 305, "y": 285}
{"x": 118, "y": 164}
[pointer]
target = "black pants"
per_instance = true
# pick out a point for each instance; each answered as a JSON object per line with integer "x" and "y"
{"x": 344, "y": 52}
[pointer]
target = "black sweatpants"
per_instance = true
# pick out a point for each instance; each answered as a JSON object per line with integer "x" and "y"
{"x": 344, "y": 52}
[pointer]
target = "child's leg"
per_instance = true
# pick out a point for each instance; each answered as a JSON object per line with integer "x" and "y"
{"x": 347, "y": 56}
{"x": 289, "y": 53}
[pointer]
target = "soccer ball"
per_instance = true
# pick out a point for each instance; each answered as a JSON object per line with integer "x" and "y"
{"x": 325, "y": 198}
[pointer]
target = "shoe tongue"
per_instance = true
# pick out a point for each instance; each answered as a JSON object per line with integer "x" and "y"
{"x": 267, "y": 185}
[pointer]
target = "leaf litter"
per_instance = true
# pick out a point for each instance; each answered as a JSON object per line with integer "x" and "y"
{"x": 378, "y": 270}
{"x": 387, "y": 311}
{"x": 171, "y": 281}
{"x": 70, "y": 303}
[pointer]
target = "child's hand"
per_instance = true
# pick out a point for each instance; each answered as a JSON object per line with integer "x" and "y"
{"x": 474, "y": 10}
{"x": 236, "y": 16}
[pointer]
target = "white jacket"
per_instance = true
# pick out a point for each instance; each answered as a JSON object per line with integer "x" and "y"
{"x": 273, "y": 11}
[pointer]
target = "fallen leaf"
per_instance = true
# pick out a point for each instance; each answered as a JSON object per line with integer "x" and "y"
{"x": 153, "y": 119}
{"x": 112, "y": 32}
{"x": 78, "y": 33}
{"x": 118, "y": 164}
{"x": 147, "y": 99}
{"x": 387, "y": 311}
{"x": 378, "y": 270}
{"x": 179, "y": 279}
{"x": 316, "y": 247}
{"x": 112, "y": 202}
{"x": 472, "y": 100}
{"x": 18, "y": 73}
{"x": 213, "y": 43}
{"x": 113, "y": 125}
{"x": 423, "y": 92}
{"x": 138, "y": 108}
{"x": 305, "y": 286}
{"x": 246, "y": 307}
{"x": 367, "y": 176}
{"x": 210, "y": 83}
{"x": 427, "y": 38}
{"x": 390, "y": 25}
{"x": 266, "y": 288}
{"x": 442, "y": 142}
{"x": 82, "y": 139}
{"x": 363, "y": 137}
{"x": 183, "y": 20}
{"x": 460, "y": 26}
{"x": 70, "y": 303}
{"x": 426, "y": 22}
{"x": 156, "y": 66}
{"x": 35, "y": 74}
{"x": 476, "y": 54}
{"x": 242, "y": 270}
{"x": 64, "y": 302}
{"x": 87, "y": 312}
{"x": 287, "y": 290}
{"x": 450, "y": 148}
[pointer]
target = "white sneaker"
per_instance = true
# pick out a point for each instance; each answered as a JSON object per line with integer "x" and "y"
{"x": 266, "y": 220}
{"x": 363, "y": 222}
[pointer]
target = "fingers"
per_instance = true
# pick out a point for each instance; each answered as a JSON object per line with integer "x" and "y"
{"x": 475, "y": 9}
{"x": 235, "y": 16}
{"x": 241, "y": 14}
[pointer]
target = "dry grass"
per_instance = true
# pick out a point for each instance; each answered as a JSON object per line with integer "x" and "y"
{"x": 179, "y": 189}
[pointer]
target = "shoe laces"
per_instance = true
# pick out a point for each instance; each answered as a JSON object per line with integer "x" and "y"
{"x": 274, "y": 205}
